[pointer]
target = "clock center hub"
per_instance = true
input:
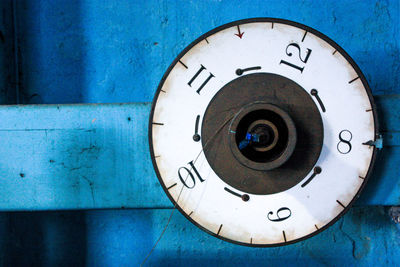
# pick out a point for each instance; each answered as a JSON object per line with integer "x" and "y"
{"x": 264, "y": 133}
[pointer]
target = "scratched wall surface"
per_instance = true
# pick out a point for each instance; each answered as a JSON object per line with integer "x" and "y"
{"x": 116, "y": 51}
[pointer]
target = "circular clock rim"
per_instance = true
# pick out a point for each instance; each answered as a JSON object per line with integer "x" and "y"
{"x": 290, "y": 23}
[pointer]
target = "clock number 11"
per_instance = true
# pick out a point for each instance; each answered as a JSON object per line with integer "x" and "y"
{"x": 205, "y": 81}
{"x": 189, "y": 173}
{"x": 304, "y": 60}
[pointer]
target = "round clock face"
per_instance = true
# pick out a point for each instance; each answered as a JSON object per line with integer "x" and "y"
{"x": 258, "y": 132}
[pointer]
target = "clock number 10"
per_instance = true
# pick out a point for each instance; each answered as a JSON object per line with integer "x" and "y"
{"x": 189, "y": 175}
{"x": 295, "y": 47}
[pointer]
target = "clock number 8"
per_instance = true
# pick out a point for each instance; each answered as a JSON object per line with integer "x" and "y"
{"x": 189, "y": 174}
{"x": 344, "y": 145}
{"x": 278, "y": 217}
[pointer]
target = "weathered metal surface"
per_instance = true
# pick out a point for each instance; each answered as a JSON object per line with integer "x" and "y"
{"x": 363, "y": 237}
{"x": 96, "y": 156}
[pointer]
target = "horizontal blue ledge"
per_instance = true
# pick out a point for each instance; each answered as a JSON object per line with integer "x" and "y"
{"x": 96, "y": 156}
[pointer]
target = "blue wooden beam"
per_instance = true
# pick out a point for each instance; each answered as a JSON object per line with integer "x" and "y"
{"x": 96, "y": 156}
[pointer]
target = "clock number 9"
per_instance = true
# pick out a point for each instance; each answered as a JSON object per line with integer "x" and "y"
{"x": 189, "y": 174}
{"x": 307, "y": 56}
{"x": 284, "y": 210}
{"x": 344, "y": 145}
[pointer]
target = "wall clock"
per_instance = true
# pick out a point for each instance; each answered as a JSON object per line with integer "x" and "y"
{"x": 261, "y": 132}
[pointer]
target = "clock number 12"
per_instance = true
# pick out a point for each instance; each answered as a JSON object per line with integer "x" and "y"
{"x": 293, "y": 47}
{"x": 189, "y": 173}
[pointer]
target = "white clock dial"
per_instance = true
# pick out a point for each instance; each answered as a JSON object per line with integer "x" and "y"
{"x": 258, "y": 132}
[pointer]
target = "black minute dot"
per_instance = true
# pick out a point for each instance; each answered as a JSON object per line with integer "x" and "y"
{"x": 245, "y": 197}
{"x": 239, "y": 72}
{"x": 317, "y": 170}
{"x": 196, "y": 137}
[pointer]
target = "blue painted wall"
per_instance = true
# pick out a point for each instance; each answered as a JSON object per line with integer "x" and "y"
{"x": 364, "y": 237}
{"x": 8, "y": 69}
{"x": 116, "y": 51}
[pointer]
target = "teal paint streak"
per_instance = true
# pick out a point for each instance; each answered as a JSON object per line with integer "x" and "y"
{"x": 97, "y": 156}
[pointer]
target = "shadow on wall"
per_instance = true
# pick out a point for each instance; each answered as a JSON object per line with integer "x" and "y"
{"x": 363, "y": 237}
{"x": 43, "y": 239}
{"x": 52, "y": 52}
{"x": 78, "y": 238}
{"x": 7, "y": 60}
{"x": 49, "y": 34}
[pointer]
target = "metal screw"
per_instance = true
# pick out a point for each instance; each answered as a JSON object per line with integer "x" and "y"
{"x": 394, "y": 213}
